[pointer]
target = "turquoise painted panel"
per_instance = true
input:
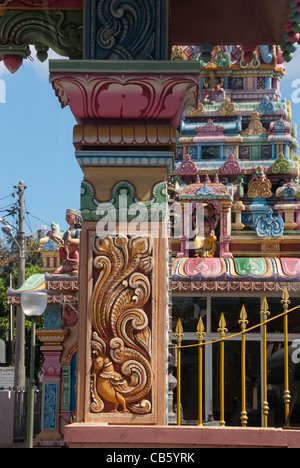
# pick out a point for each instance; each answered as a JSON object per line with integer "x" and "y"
{"x": 126, "y": 29}
{"x": 50, "y": 407}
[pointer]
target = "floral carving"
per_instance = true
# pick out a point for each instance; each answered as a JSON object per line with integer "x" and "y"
{"x": 260, "y": 186}
{"x": 197, "y": 112}
{"x": 255, "y": 126}
{"x": 210, "y": 128}
{"x": 227, "y": 108}
{"x": 269, "y": 225}
{"x": 126, "y": 30}
{"x": 121, "y": 354}
{"x": 266, "y": 106}
{"x": 106, "y": 96}
{"x": 232, "y": 166}
{"x": 188, "y": 167}
{"x": 281, "y": 165}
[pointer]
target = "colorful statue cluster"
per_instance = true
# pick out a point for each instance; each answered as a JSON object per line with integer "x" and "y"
{"x": 68, "y": 244}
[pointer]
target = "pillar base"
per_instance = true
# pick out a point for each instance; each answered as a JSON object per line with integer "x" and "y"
{"x": 100, "y": 436}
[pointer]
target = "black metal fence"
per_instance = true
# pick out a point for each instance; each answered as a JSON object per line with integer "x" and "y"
{"x": 20, "y": 414}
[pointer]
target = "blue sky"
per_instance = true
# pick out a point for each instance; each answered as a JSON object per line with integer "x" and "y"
{"x": 36, "y": 141}
{"x": 36, "y": 146}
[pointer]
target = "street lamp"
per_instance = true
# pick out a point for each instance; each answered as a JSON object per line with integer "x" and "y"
{"x": 7, "y": 230}
{"x": 34, "y": 305}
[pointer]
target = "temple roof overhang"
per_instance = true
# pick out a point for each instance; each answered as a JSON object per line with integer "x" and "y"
{"x": 197, "y": 22}
{"x": 236, "y": 270}
{"x": 59, "y": 288}
{"x": 70, "y": 27}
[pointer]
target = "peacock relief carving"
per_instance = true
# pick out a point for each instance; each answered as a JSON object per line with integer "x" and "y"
{"x": 121, "y": 373}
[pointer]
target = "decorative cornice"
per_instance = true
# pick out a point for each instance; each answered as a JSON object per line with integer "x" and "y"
{"x": 126, "y": 159}
{"x": 130, "y": 134}
{"x": 232, "y": 287}
{"x": 53, "y": 299}
{"x": 61, "y": 284}
{"x": 35, "y": 4}
{"x": 91, "y": 208}
{"x": 52, "y": 338}
{"x": 60, "y": 30}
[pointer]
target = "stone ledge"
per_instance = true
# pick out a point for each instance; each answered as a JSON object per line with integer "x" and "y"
{"x": 80, "y": 435}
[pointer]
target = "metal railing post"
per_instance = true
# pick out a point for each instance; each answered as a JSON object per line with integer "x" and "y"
{"x": 243, "y": 322}
{"x": 265, "y": 406}
{"x": 222, "y": 330}
{"x": 201, "y": 334}
{"x": 286, "y": 394}
{"x": 179, "y": 335}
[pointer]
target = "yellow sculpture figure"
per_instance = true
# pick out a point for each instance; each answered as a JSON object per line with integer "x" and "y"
{"x": 206, "y": 247}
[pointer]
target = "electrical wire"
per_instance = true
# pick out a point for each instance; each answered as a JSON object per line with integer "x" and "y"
{"x": 7, "y": 196}
{"x": 28, "y": 220}
{"x": 39, "y": 219}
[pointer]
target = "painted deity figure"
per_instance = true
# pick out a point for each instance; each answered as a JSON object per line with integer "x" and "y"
{"x": 213, "y": 89}
{"x": 68, "y": 244}
{"x": 206, "y": 246}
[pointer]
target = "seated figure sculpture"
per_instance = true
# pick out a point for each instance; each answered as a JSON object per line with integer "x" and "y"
{"x": 213, "y": 89}
{"x": 68, "y": 244}
{"x": 205, "y": 246}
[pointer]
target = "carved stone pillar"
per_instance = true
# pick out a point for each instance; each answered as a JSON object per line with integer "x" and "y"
{"x": 238, "y": 207}
{"x": 52, "y": 351}
{"x": 297, "y": 216}
{"x": 287, "y": 213}
{"x": 225, "y": 236}
{"x": 125, "y": 143}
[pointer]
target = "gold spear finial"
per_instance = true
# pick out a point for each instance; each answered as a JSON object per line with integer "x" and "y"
{"x": 285, "y": 299}
{"x": 179, "y": 333}
{"x": 243, "y": 319}
{"x": 222, "y": 326}
{"x": 200, "y": 330}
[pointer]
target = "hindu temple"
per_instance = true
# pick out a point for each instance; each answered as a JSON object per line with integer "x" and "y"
{"x": 189, "y": 221}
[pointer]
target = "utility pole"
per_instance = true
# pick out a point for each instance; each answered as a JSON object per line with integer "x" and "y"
{"x": 11, "y": 337}
{"x": 20, "y": 322}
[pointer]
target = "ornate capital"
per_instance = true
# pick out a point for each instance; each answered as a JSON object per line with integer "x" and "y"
{"x": 52, "y": 339}
{"x": 141, "y": 92}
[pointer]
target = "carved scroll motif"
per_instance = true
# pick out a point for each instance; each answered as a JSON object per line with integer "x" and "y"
{"x": 121, "y": 378}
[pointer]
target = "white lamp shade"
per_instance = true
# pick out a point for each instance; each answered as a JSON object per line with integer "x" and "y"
{"x": 34, "y": 303}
